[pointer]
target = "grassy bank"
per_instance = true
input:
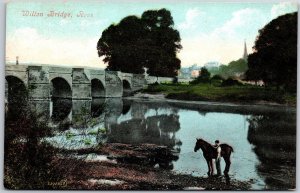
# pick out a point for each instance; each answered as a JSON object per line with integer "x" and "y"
{"x": 213, "y": 92}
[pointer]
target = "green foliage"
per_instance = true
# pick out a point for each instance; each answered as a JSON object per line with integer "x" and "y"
{"x": 204, "y": 77}
{"x": 217, "y": 77}
{"x": 233, "y": 69}
{"x": 235, "y": 93}
{"x": 70, "y": 135}
{"x": 102, "y": 130}
{"x": 275, "y": 58}
{"x": 231, "y": 82}
{"x": 28, "y": 163}
{"x": 150, "y": 41}
{"x": 98, "y": 131}
{"x": 87, "y": 141}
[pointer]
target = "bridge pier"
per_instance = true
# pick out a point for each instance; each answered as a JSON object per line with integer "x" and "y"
{"x": 39, "y": 89}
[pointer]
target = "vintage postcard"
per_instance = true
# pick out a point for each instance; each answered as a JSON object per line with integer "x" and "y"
{"x": 150, "y": 95}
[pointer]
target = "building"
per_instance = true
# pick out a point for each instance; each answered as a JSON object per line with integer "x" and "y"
{"x": 212, "y": 65}
{"x": 189, "y": 72}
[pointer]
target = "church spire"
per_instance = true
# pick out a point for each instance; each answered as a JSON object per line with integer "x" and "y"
{"x": 245, "y": 56}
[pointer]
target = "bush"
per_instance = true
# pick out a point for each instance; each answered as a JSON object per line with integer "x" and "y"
{"x": 231, "y": 82}
{"x": 217, "y": 77}
{"x": 204, "y": 77}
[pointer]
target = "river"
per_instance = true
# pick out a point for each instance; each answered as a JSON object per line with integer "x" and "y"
{"x": 264, "y": 140}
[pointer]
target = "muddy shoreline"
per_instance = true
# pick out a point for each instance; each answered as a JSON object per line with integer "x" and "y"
{"x": 259, "y": 107}
{"x": 131, "y": 167}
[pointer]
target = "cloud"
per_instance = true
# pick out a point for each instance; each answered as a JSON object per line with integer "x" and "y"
{"x": 283, "y": 8}
{"x": 32, "y": 47}
{"x": 241, "y": 21}
{"x": 225, "y": 43}
{"x": 191, "y": 19}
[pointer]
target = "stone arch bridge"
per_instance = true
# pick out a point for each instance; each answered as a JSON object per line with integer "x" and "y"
{"x": 44, "y": 82}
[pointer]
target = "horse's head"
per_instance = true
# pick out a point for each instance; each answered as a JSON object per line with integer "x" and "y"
{"x": 199, "y": 144}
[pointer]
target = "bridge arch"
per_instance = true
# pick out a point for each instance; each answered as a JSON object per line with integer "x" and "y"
{"x": 16, "y": 95}
{"x": 60, "y": 88}
{"x": 97, "y": 88}
{"x": 16, "y": 89}
{"x": 126, "y": 88}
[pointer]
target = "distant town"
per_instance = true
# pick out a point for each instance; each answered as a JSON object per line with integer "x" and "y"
{"x": 234, "y": 69}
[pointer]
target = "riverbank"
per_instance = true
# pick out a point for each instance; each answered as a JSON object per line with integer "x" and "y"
{"x": 118, "y": 166}
{"x": 261, "y": 107}
{"x": 242, "y": 94}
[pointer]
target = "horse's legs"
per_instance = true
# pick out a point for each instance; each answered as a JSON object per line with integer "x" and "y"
{"x": 210, "y": 167}
{"x": 228, "y": 163}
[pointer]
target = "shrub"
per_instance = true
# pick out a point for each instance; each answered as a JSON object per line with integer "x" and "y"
{"x": 231, "y": 82}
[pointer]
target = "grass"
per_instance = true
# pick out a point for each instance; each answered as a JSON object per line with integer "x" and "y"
{"x": 96, "y": 132}
{"x": 215, "y": 92}
{"x": 70, "y": 135}
{"x": 87, "y": 141}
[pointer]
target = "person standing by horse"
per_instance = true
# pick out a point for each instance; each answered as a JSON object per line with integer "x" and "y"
{"x": 210, "y": 153}
{"x": 218, "y": 159}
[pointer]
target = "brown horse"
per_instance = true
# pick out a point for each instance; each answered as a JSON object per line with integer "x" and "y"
{"x": 210, "y": 153}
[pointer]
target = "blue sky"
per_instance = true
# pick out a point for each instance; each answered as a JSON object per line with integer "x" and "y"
{"x": 209, "y": 31}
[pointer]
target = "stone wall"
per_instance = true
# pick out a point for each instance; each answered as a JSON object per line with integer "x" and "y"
{"x": 114, "y": 85}
{"x": 44, "y": 82}
{"x": 81, "y": 85}
{"x": 38, "y": 83}
{"x": 153, "y": 79}
{"x": 138, "y": 82}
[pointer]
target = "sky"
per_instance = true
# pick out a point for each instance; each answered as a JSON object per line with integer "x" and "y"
{"x": 208, "y": 31}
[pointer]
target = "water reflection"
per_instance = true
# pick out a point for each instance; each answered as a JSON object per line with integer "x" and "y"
{"x": 61, "y": 109}
{"x": 97, "y": 107}
{"x": 275, "y": 145}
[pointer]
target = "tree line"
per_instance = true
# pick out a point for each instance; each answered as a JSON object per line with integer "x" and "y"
{"x": 151, "y": 41}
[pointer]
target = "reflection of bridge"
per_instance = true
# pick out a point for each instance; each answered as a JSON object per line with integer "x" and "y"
{"x": 44, "y": 82}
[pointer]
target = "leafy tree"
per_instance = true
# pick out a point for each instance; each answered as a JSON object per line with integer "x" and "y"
{"x": 204, "y": 76}
{"x": 275, "y": 57}
{"x": 254, "y": 72}
{"x": 149, "y": 41}
{"x": 233, "y": 69}
{"x": 217, "y": 77}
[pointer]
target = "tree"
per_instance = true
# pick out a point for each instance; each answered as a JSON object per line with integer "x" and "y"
{"x": 233, "y": 69}
{"x": 149, "y": 41}
{"x": 275, "y": 53}
{"x": 204, "y": 76}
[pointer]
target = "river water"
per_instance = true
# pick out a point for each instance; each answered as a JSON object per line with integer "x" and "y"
{"x": 264, "y": 140}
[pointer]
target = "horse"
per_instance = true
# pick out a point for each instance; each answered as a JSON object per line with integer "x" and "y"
{"x": 210, "y": 153}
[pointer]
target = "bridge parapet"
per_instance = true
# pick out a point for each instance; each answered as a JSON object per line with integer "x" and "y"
{"x": 44, "y": 82}
{"x": 154, "y": 79}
